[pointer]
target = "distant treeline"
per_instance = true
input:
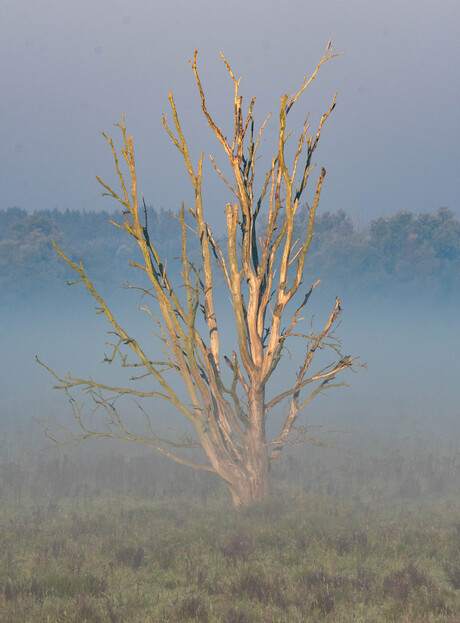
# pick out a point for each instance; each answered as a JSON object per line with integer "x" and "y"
{"x": 405, "y": 252}
{"x": 29, "y": 262}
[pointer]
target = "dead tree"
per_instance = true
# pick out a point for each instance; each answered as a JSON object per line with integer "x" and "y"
{"x": 227, "y": 400}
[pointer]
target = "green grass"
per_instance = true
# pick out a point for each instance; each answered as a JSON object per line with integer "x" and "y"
{"x": 299, "y": 556}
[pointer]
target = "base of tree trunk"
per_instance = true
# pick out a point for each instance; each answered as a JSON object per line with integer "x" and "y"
{"x": 245, "y": 496}
{"x": 250, "y": 488}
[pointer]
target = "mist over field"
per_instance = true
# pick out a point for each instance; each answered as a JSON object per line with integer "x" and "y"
{"x": 363, "y": 517}
{"x": 410, "y": 345}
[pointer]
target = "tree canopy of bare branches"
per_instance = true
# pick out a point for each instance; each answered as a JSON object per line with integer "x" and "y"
{"x": 261, "y": 265}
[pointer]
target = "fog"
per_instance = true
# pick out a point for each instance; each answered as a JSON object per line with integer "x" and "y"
{"x": 377, "y": 507}
{"x": 75, "y": 67}
{"x": 409, "y": 389}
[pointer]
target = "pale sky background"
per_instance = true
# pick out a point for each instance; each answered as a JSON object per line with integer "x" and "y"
{"x": 70, "y": 67}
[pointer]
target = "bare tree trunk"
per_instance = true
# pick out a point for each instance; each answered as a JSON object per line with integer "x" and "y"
{"x": 250, "y": 488}
{"x": 251, "y": 483}
{"x": 251, "y": 480}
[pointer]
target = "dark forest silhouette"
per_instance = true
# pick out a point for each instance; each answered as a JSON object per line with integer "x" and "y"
{"x": 406, "y": 251}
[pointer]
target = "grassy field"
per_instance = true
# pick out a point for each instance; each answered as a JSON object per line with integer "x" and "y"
{"x": 371, "y": 538}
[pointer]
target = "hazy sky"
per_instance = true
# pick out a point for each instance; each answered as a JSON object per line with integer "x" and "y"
{"x": 69, "y": 68}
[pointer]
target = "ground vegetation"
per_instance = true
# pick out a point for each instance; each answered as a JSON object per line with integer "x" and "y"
{"x": 372, "y": 537}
